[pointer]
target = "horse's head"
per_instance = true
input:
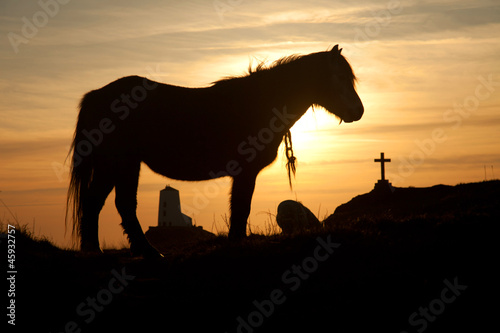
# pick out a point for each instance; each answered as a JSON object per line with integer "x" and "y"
{"x": 338, "y": 93}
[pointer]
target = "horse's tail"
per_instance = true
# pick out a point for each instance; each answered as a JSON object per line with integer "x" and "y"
{"x": 81, "y": 170}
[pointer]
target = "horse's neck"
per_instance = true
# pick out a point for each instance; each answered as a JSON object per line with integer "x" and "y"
{"x": 287, "y": 88}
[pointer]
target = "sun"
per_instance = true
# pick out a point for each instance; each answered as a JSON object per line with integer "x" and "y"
{"x": 313, "y": 120}
{"x": 313, "y": 135}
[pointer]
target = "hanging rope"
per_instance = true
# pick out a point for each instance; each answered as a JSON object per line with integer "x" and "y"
{"x": 291, "y": 159}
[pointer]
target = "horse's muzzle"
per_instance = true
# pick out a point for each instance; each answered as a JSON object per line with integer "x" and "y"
{"x": 354, "y": 114}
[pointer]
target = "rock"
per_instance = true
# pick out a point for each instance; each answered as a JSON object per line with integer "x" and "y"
{"x": 294, "y": 217}
{"x": 439, "y": 202}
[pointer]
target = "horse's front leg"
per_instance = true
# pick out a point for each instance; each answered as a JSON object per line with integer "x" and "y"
{"x": 241, "y": 199}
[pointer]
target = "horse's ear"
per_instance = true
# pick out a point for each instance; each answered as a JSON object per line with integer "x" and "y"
{"x": 336, "y": 50}
{"x": 334, "y": 56}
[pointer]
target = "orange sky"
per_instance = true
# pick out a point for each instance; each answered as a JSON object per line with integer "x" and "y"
{"x": 429, "y": 78}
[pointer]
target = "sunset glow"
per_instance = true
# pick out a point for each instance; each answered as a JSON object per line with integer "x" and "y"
{"x": 429, "y": 79}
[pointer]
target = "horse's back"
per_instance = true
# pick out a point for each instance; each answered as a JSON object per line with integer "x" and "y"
{"x": 182, "y": 133}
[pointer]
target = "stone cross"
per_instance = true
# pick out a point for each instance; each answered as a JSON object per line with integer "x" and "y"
{"x": 382, "y": 160}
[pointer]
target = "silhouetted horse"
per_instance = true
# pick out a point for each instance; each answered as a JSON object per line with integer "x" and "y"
{"x": 231, "y": 128}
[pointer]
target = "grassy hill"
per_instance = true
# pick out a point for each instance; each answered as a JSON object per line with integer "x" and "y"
{"x": 420, "y": 266}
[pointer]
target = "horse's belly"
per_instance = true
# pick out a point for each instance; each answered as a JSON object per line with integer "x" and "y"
{"x": 179, "y": 171}
{"x": 196, "y": 162}
{"x": 197, "y": 149}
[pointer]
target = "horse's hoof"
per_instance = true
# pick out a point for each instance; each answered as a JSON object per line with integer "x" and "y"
{"x": 234, "y": 236}
{"x": 152, "y": 254}
{"x": 90, "y": 249}
{"x": 145, "y": 251}
{"x": 89, "y": 254}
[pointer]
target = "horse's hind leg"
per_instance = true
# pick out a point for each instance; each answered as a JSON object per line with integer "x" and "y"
{"x": 127, "y": 180}
{"x": 92, "y": 203}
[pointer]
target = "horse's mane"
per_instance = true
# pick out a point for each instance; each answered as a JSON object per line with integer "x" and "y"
{"x": 261, "y": 67}
{"x": 280, "y": 62}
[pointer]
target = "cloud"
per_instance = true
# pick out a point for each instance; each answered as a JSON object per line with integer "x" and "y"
{"x": 465, "y": 159}
{"x": 19, "y": 147}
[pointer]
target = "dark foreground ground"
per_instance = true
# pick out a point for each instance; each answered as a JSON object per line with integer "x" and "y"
{"x": 413, "y": 274}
